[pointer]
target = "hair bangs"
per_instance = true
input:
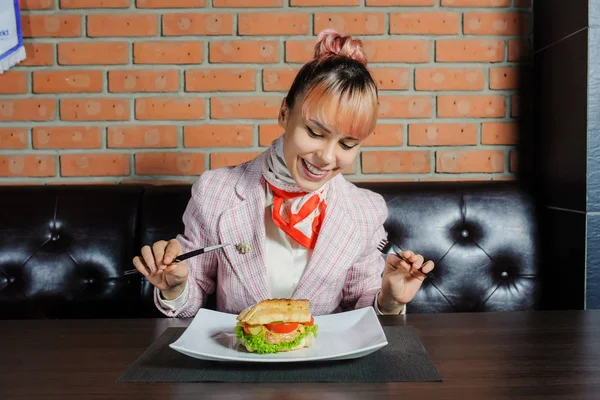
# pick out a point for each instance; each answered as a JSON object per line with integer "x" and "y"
{"x": 349, "y": 110}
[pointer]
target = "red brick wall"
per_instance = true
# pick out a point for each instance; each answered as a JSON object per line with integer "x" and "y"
{"x": 161, "y": 90}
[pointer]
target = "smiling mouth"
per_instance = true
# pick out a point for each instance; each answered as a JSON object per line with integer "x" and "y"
{"x": 313, "y": 170}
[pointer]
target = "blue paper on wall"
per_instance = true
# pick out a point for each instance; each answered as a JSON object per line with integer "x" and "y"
{"x": 12, "y": 50}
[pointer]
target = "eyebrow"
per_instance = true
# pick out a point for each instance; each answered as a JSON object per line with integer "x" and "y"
{"x": 320, "y": 125}
{"x": 323, "y": 127}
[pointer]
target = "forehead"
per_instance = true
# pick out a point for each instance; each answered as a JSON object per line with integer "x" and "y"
{"x": 351, "y": 116}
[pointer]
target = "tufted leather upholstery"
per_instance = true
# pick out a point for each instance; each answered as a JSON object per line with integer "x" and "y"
{"x": 480, "y": 236}
{"x": 63, "y": 249}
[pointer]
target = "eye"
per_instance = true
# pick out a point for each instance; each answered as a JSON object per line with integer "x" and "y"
{"x": 312, "y": 133}
{"x": 346, "y": 146}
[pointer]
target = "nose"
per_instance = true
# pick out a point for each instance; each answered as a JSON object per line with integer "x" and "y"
{"x": 327, "y": 154}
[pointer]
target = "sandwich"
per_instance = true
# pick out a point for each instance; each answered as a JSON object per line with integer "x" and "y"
{"x": 276, "y": 325}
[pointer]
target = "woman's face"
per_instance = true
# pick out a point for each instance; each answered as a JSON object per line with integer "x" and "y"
{"x": 313, "y": 151}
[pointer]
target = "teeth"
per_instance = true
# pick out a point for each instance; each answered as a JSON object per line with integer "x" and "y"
{"x": 312, "y": 169}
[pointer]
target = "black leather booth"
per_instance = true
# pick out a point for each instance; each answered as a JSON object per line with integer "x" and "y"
{"x": 63, "y": 249}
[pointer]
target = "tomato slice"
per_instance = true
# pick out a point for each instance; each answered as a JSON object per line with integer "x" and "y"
{"x": 280, "y": 327}
{"x": 311, "y": 323}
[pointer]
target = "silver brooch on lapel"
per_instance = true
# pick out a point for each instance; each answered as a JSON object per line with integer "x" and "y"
{"x": 243, "y": 248}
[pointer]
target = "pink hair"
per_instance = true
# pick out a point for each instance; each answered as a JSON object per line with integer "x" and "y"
{"x": 336, "y": 88}
{"x": 353, "y": 114}
{"x": 330, "y": 43}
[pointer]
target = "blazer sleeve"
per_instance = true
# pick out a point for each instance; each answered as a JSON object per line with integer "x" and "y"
{"x": 202, "y": 270}
{"x": 363, "y": 280}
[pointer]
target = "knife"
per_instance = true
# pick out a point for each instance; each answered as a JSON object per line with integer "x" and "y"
{"x": 187, "y": 255}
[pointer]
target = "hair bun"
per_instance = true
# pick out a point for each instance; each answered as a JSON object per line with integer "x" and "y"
{"x": 330, "y": 43}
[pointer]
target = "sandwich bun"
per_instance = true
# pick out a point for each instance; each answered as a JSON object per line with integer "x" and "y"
{"x": 276, "y": 325}
{"x": 281, "y": 310}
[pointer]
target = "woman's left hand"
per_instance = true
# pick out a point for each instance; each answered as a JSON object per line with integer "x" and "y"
{"x": 402, "y": 280}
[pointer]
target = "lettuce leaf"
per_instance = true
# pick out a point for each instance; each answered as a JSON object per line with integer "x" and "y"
{"x": 258, "y": 344}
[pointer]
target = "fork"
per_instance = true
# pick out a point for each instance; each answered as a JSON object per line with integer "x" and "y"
{"x": 384, "y": 247}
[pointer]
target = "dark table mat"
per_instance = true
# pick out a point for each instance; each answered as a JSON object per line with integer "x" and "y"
{"x": 404, "y": 359}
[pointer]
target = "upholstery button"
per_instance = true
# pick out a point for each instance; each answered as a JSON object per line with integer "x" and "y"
{"x": 55, "y": 237}
{"x": 11, "y": 279}
{"x": 464, "y": 233}
{"x": 504, "y": 274}
{"x": 91, "y": 280}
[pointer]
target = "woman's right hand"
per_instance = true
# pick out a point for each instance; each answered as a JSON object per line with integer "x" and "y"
{"x": 156, "y": 264}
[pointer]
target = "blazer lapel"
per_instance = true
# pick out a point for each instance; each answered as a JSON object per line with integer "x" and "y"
{"x": 244, "y": 224}
{"x": 335, "y": 249}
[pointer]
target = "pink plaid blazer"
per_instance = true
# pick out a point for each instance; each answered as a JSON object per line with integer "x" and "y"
{"x": 227, "y": 206}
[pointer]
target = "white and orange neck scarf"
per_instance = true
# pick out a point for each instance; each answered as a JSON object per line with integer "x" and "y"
{"x": 298, "y": 213}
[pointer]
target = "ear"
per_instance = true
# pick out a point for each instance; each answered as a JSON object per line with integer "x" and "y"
{"x": 284, "y": 114}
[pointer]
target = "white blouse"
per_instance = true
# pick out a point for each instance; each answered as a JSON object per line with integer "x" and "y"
{"x": 286, "y": 261}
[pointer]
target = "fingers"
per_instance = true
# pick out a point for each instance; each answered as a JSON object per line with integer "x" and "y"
{"x": 140, "y": 266}
{"x": 396, "y": 262}
{"x": 420, "y": 273}
{"x": 417, "y": 275}
{"x": 407, "y": 254}
{"x": 428, "y": 267}
{"x": 410, "y": 259}
{"x": 158, "y": 248}
{"x": 178, "y": 270}
{"x": 413, "y": 258}
{"x": 173, "y": 249}
{"x": 411, "y": 263}
{"x": 417, "y": 262}
{"x": 148, "y": 259}
{"x": 157, "y": 257}
{"x": 169, "y": 269}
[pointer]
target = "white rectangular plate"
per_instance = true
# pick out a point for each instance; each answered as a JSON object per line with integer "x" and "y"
{"x": 346, "y": 335}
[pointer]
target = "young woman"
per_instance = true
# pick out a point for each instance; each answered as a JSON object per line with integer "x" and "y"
{"x": 300, "y": 229}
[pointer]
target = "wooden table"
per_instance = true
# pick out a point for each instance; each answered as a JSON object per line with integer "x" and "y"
{"x": 517, "y": 355}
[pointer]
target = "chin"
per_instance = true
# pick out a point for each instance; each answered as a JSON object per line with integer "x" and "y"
{"x": 305, "y": 182}
{"x": 310, "y": 186}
